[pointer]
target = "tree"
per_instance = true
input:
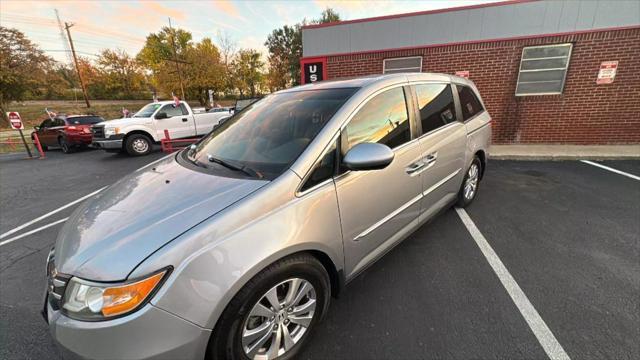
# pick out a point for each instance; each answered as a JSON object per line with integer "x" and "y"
{"x": 327, "y": 16}
{"x": 91, "y": 77}
{"x": 248, "y": 71}
{"x": 228, "y": 49}
{"x": 119, "y": 75}
{"x": 157, "y": 55}
{"x": 285, "y": 51}
{"x": 23, "y": 68}
{"x": 63, "y": 78}
{"x": 204, "y": 70}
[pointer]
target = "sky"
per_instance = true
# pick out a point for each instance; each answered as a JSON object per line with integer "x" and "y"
{"x": 125, "y": 24}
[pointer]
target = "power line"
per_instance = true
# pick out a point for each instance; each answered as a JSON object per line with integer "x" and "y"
{"x": 82, "y": 27}
{"x": 69, "y": 51}
{"x": 65, "y": 42}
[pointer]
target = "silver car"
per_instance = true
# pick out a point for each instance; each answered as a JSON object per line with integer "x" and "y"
{"x": 232, "y": 249}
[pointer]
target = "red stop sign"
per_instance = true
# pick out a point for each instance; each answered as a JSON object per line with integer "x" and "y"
{"x": 15, "y": 120}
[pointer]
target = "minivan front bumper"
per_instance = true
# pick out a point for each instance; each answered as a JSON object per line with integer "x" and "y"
{"x": 149, "y": 333}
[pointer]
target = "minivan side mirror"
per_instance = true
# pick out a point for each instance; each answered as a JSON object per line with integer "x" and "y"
{"x": 368, "y": 156}
{"x": 161, "y": 115}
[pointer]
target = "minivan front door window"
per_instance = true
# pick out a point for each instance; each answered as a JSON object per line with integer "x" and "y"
{"x": 383, "y": 119}
{"x": 322, "y": 170}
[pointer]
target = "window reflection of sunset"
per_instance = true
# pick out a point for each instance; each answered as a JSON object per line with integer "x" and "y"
{"x": 378, "y": 117}
{"x": 426, "y": 94}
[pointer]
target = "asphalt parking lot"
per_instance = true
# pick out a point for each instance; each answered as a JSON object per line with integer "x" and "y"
{"x": 567, "y": 232}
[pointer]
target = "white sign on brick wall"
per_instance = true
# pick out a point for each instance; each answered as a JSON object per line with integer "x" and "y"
{"x": 607, "y": 72}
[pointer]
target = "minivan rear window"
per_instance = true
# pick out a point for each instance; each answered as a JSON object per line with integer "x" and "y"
{"x": 437, "y": 107}
{"x": 267, "y": 136}
{"x": 469, "y": 102}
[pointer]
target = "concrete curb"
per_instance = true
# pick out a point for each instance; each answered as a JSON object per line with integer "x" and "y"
{"x": 561, "y": 157}
{"x": 564, "y": 152}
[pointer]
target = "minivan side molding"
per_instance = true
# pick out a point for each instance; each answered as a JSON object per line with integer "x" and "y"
{"x": 405, "y": 206}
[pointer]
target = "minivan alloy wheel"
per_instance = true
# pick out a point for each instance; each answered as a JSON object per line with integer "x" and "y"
{"x": 279, "y": 319}
{"x": 471, "y": 184}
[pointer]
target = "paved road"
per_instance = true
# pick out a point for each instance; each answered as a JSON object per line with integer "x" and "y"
{"x": 566, "y": 231}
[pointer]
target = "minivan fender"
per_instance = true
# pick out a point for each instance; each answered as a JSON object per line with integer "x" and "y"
{"x": 215, "y": 259}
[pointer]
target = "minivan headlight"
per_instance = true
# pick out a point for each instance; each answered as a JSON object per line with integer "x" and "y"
{"x": 92, "y": 301}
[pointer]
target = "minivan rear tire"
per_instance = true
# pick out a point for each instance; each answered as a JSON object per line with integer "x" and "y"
{"x": 226, "y": 339}
{"x": 463, "y": 200}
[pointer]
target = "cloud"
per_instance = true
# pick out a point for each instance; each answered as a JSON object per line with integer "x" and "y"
{"x": 357, "y": 9}
{"x": 229, "y": 9}
{"x": 346, "y": 5}
{"x": 156, "y": 8}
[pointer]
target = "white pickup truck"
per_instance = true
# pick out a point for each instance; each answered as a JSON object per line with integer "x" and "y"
{"x": 138, "y": 133}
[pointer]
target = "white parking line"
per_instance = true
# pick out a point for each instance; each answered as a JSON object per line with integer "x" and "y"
{"x": 33, "y": 231}
{"x": 540, "y": 329}
{"x": 13, "y": 231}
{"x": 635, "y": 177}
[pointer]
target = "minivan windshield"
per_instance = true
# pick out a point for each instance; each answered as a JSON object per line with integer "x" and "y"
{"x": 266, "y": 137}
{"x": 147, "y": 111}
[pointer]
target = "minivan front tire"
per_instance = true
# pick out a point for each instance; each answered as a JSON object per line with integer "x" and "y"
{"x": 250, "y": 325}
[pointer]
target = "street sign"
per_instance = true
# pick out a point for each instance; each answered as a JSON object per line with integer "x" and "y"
{"x": 16, "y": 124}
{"x": 464, "y": 74}
{"x": 607, "y": 72}
{"x": 15, "y": 120}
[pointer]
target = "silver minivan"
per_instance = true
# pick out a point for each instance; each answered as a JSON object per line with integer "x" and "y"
{"x": 232, "y": 249}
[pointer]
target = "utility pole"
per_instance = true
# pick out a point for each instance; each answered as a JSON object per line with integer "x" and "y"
{"x": 75, "y": 59}
{"x": 175, "y": 58}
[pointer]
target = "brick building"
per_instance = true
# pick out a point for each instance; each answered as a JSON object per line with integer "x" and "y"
{"x": 544, "y": 67}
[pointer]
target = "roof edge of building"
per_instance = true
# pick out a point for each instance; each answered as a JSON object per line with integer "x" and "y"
{"x": 416, "y": 13}
{"x": 524, "y": 37}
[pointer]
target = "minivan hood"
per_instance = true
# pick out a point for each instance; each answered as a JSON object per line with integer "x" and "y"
{"x": 110, "y": 234}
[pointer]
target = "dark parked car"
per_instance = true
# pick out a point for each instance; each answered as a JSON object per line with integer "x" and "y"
{"x": 66, "y": 131}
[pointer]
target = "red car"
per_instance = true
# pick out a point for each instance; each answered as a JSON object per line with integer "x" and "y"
{"x": 66, "y": 131}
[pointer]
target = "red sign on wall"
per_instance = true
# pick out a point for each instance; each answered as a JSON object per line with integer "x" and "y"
{"x": 607, "y": 72}
{"x": 464, "y": 74}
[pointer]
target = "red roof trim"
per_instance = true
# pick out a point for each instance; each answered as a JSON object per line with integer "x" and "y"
{"x": 436, "y": 11}
{"x": 476, "y": 41}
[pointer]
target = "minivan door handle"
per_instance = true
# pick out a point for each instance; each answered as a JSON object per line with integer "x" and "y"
{"x": 431, "y": 158}
{"x": 184, "y": 119}
{"x": 415, "y": 167}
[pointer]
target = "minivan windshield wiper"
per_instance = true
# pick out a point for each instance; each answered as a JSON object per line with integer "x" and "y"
{"x": 245, "y": 169}
{"x": 192, "y": 159}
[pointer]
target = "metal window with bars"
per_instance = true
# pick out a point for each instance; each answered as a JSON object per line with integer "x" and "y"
{"x": 400, "y": 65}
{"x": 543, "y": 69}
